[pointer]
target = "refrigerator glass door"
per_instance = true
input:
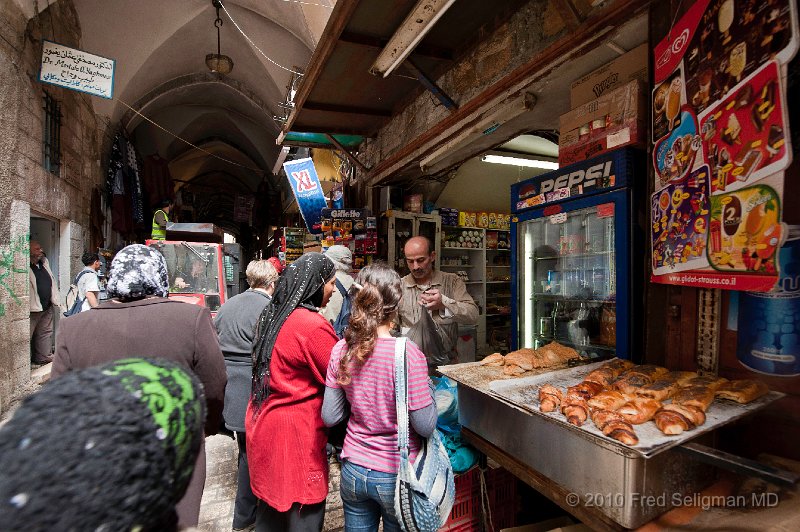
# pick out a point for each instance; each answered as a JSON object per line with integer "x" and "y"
{"x": 568, "y": 279}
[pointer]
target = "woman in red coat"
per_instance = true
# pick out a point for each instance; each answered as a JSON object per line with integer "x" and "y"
{"x": 285, "y": 434}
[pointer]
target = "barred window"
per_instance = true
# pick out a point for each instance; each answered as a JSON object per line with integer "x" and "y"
{"x": 51, "y": 139}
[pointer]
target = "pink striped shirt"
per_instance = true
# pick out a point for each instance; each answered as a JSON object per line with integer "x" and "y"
{"x": 371, "y": 439}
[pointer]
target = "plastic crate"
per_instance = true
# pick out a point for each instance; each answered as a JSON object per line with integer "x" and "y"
{"x": 501, "y": 491}
{"x": 466, "y": 511}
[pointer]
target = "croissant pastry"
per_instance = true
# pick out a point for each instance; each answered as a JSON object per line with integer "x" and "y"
{"x": 608, "y": 400}
{"x": 549, "y": 398}
{"x": 613, "y": 425}
{"x": 639, "y": 410}
{"x": 586, "y": 389}
{"x": 674, "y": 419}
{"x": 575, "y": 409}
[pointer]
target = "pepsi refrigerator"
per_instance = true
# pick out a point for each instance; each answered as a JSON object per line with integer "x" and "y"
{"x": 575, "y": 241}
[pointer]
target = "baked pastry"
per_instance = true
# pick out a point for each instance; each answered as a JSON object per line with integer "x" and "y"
{"x": 608, "y": 372}
{"x": 742, "y": 391}
{"x": 585, "y": 389}
{"x": 681, "y": 377}
{"x": 659, "y": 390}
{"x": 554, "y": 354}
{"x": 674, "y": 419}
{"x": 630, "y": 382}
{"x": 512, "y": 370}
{"x": 575, "y": 409}
{"x": 549, "y": 398}
{"x": 698, "y": 396}
{"x": 495, "y": 359}
{"x": 614, "y": 426}
{"x": 710, "y": 381}
{"x": 648, "y": 370}
{"x": 608, "y": 400}
{"x": 639, "y": 409}
{"x": 522, "y": 358}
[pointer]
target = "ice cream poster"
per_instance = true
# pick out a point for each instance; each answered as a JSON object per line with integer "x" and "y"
{"x": 719, "y": 111}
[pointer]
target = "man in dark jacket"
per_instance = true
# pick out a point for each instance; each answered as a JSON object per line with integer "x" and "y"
{"x": 236, "y": 322}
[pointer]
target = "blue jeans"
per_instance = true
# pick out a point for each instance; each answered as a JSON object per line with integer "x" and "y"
{"x": 367, "y": 495}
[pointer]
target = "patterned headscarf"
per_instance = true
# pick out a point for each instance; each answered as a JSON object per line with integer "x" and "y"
{"x": 301, "y": 285}
{"x": 102, "y": 448}
{"x": 136, "y": 272}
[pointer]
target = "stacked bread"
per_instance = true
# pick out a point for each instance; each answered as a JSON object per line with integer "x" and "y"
{"x": 619, "y": 395}
{"x": 518, "y": 362}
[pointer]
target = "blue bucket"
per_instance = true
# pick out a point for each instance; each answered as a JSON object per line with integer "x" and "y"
{"x": 769, "y": 323}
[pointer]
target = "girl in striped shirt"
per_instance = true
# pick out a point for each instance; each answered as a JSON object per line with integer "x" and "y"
{"x": 361, "y": 374}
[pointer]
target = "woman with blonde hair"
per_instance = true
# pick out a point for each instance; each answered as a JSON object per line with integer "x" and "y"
{"x": 361, "y": 373}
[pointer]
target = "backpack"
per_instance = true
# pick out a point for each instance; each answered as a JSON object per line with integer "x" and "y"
{"x": 343, "y": 319}
{"x": 73, "y": 302}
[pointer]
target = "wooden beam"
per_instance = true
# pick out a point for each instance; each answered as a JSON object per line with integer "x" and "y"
{"x": 352, "y": 158}
{"x": 345, "y": 109}
{"x": 568, "y": 14}
{"x": 425, "y": 50}
{"x": 567, "y": 46}
{"x": 342, "y": 12}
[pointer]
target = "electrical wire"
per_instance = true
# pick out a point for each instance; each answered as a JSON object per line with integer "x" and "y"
{"x": 167, "y": 131}
{"x": 308, "y": 3}
{"x": 254, "y": 45}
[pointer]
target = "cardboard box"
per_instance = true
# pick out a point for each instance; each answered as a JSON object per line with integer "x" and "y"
{"x": 611, "y": 121}
{"x": 627, "y": 67}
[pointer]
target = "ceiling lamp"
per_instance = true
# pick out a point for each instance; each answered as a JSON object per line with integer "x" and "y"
{"x": 218, "y": 63}
{"x": 416, "y": 25}
{"x": 519, "y": 161}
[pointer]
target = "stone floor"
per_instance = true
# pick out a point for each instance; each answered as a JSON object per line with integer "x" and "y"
{"x": 216, "y": 511}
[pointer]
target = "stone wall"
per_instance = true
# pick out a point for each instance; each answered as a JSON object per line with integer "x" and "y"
{"x": 25, "y": 186}
{"x": 529, "y": 31}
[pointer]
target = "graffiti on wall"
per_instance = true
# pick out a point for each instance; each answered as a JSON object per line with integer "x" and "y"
{"x": 9, "y": 255}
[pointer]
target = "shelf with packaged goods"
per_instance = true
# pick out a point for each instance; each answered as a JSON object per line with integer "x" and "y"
{"x": 574, "y": 255}
{"x": 576, "y": 299}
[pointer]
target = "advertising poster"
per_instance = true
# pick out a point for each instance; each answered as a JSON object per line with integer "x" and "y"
{"x": 721, "y": 142}
{"x": 307, "y": 191}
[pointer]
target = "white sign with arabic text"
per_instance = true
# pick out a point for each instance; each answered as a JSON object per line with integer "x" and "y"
{"x": 77, "y": 70}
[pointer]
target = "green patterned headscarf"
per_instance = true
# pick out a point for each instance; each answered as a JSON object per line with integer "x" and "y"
{"x": 105, "y": 448}
{"x": 171, "y": 395}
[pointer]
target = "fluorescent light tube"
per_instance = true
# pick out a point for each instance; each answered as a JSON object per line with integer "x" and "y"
{"x": 408, "y": 35}
{"x": 519, "y": 161}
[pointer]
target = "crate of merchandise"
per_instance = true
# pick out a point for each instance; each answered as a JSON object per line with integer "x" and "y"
{"x": 500, "y": 495}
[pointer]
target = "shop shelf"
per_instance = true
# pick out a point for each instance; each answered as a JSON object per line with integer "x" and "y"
{"x": 574, "y": 255}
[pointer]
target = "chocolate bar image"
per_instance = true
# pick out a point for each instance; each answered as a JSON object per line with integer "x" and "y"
{"x": 775, "y": 140}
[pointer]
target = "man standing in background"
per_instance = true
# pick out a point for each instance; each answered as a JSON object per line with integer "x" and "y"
{"x": 44, "y": 297}
{"x": 444, "y": 295}
{"x": 342, "y": 258}
{"x": 161, "y": 220}
{"x": 88, "y": 283}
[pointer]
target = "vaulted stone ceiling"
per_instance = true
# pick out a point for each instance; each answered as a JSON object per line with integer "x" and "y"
{"x": 160, "y": 48}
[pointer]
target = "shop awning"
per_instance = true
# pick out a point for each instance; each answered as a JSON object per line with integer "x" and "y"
{"x": 338, "y": 95}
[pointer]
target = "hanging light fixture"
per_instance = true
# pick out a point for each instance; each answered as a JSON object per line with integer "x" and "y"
{"x": 218, "y": 62}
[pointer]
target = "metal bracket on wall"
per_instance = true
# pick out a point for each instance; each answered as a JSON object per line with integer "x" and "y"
{"x": 709, "y": 303}
{"x": 430, "y": 85}
{"x": 352, "y": 158}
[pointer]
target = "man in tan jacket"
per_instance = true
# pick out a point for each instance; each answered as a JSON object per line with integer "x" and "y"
{"x": 442, "y": 294}
{"x": 45, "y": 300}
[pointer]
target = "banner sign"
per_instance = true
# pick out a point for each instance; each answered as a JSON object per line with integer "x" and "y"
{"x": 600, "y": 174}
{"x": 307, "y": 191}
{"x": 77, "y": 70}
{"x": 721, "y": 143}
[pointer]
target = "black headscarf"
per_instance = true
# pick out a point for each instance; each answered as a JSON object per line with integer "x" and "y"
{"x": 301, "y": 285}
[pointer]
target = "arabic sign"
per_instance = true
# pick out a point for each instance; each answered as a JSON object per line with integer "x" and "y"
{"x": 721, "y": 142}
{"x": 307, "y": 191}
{"x": 77, "y": 70}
